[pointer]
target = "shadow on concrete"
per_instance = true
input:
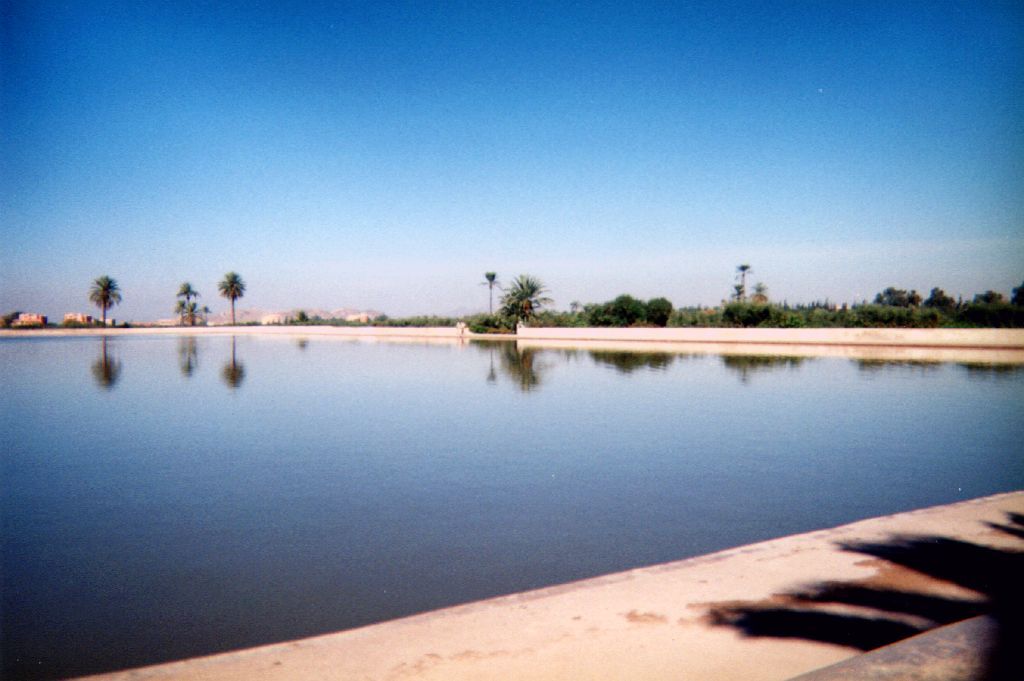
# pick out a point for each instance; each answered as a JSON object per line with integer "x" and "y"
{"x": 875, "y": 616}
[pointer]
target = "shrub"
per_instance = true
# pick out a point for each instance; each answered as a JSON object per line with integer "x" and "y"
{"x": 658, "y": 311}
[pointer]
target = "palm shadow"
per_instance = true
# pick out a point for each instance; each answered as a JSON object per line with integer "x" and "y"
{"x": 883, "y": 615}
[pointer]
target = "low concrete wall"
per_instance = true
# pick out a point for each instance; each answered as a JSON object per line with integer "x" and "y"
{"x": 336, "y": 331}
{"x": 959, "y": 338}
{"x": 1007, "y": 339}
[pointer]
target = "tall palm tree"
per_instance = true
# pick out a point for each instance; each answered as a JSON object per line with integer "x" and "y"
{"x": 186, "y": 308}
{"x": 490, "y": 281}
{"x": 232, "y": 287}
{"x": 105, "y": 294}
{"x": 524, "y": 297}
{"x": 742, "y": 291}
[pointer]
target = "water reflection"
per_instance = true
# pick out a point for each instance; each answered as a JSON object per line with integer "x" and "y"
{"x": 188, "y": 356}
{"x": 106, "y": 370}
{"x": 233, "y": 372}
{"x": 302, "y": 343}
{"x": 747, "y": 365}
{"x": 492, "y": 376}
{"x": 628, "y": 362}
{"x": 983, "y": 371}
{"x": 920, "y": 366}
{"x": 521, "y": 366}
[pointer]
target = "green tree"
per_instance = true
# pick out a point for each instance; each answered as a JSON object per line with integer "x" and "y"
{"x": 989, "y": 298}
{"x": 658, "y": 311}
{"x": 490, "y": 281}
{"x": 105, "y": 294}
{"x": 627, "y": 310}
{"x": 894, "y": 297}
{"x": 938, "y": 300}
{"x": 187, "y": 308}
{"x": 524, "y": 297}
{"x": 1018, "y": 295}
{"x": 760, "y": 294}
{"x": 232, "y": 287}
{"x": 741, "y": 290}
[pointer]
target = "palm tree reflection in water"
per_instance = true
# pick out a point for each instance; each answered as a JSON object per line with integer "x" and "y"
{"x": 188, "y": 356}
{"x": 233, "y": 372}
{"x": 106, "y": 370}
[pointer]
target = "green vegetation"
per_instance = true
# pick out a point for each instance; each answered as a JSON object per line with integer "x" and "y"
{"x": 232, "y": 287}
{"x": 524, "y": 302}
{"x": 524, "y": 298}
{"x": 188, "y": 307}
{"x": 105, "y": 294}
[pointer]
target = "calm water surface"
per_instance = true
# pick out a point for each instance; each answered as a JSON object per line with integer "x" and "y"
{"x": 167, "y": 497}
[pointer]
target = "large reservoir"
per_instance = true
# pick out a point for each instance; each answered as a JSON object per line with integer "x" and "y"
{"x": 164, "y": 497}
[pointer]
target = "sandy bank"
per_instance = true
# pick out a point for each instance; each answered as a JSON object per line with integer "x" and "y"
{"x": 649, "y": 623}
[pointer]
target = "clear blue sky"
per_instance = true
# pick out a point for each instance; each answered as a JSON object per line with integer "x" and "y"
{"x": 380, "y": 155}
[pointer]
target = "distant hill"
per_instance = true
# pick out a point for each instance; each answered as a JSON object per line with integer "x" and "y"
{"x": 251, "y": 315}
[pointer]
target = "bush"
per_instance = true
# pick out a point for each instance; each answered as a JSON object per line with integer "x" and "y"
{"x": 658, "y": 311}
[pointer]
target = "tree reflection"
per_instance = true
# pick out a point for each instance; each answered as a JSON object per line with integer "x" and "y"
{"x": 233, "y": 372}
{"x": 521, "y": 366}
{"x": 188, "y": 356}
{"x": 106, "y": 370}
{"x": 977, "y": 370}
{"x": 492, "y": 377}
{"x": 628, "y": 362}
{"x": 302, "y": 343}
{"x": 746, "y": 365}
{"x": 870, "y": 365}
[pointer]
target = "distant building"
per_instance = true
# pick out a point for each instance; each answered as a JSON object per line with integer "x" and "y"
{"x": 77, "y": 318}
{"x": 275, "y": 318}
{"x": 29, "y": 319}
{"x": 362, "y": 318}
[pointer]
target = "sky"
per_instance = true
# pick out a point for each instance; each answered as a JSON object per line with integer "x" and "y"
{"x": 385, "y": 155}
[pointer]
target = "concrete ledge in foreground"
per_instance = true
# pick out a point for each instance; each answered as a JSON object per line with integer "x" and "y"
{"x": 650, "y": 623}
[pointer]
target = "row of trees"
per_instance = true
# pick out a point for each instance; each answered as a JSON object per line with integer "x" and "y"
{"x": 231, "y": 287}
{"x": 105, "y": 294}
{"x": 524, "y": 300}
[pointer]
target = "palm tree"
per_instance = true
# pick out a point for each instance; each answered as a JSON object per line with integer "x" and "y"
{"x": 105, "y": 294}
{"x": 185, "y": 308}
{"x": 490, "y": 281}
{"x": 742, "y": 290}
{"x": 232, "y": 288}
{"x": 524, "y": 297}
{"x": 760, "y": 294}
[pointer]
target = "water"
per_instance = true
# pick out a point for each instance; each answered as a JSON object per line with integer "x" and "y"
{"x": 166, "y": 497}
